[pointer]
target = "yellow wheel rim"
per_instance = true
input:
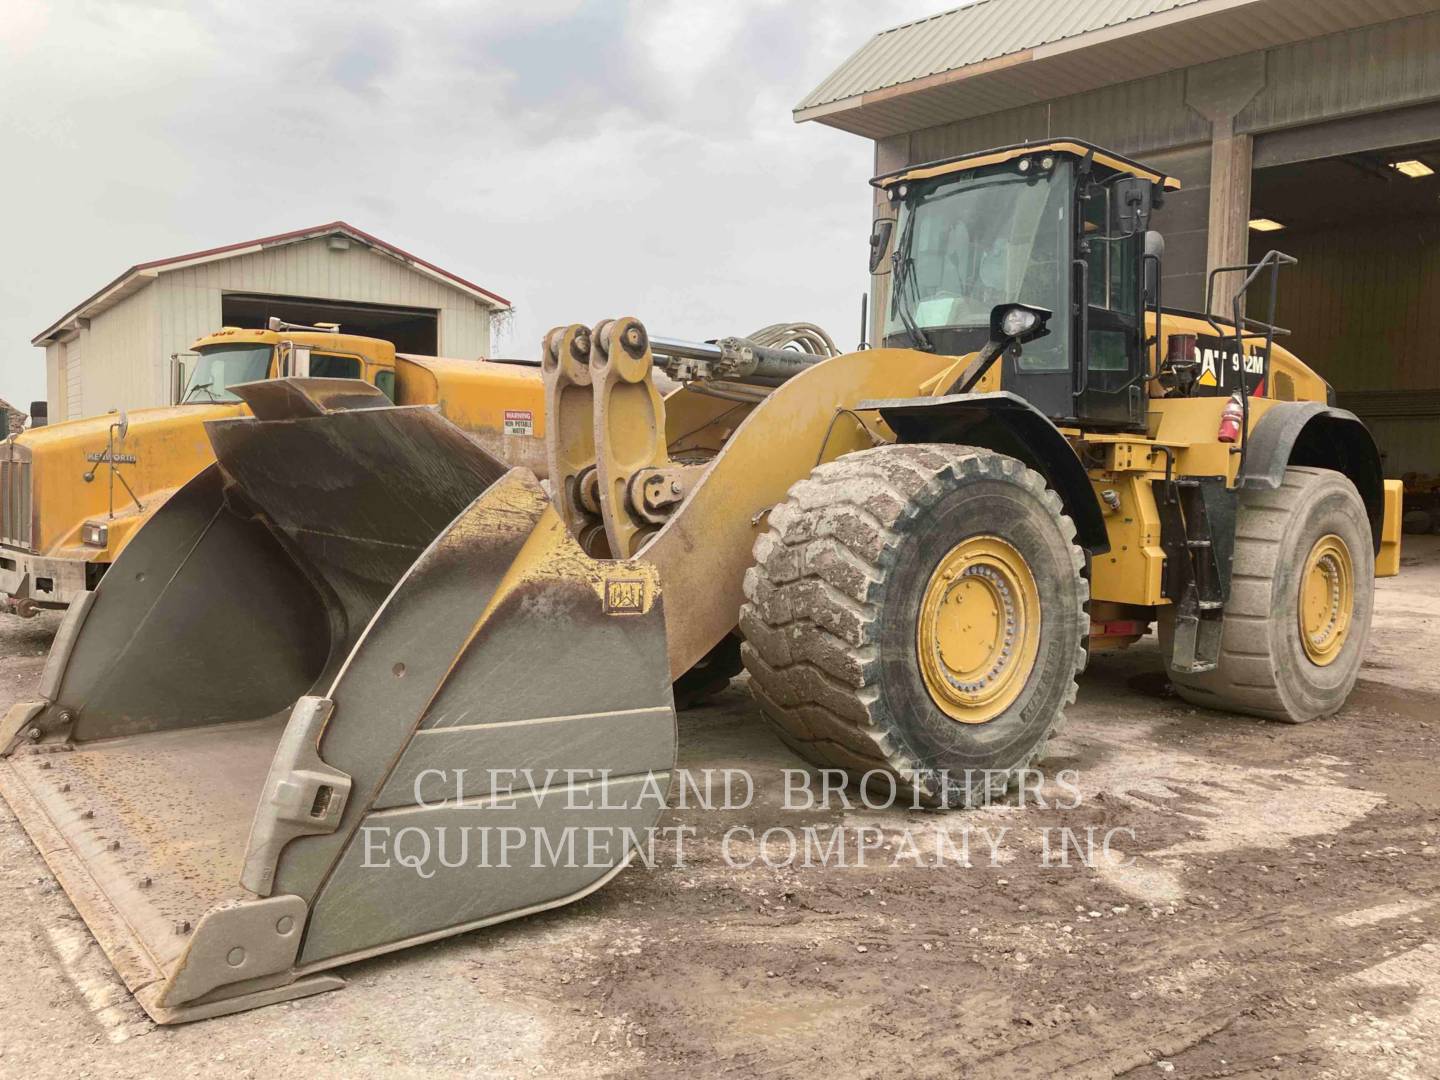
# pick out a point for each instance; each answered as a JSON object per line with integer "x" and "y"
{"x": 1327, "y": 599}
{"x": 979, "y": 629}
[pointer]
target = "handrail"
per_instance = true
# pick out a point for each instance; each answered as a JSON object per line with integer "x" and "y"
{"x": 1083, "y": 345}
{"x": 1274, "y": 260}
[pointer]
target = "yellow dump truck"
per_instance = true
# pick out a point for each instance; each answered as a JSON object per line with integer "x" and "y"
{"x": 73, "y": 494}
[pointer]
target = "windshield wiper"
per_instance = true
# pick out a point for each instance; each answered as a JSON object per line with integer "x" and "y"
{"x": 905, "y": 279}
{"x": 206, "y": 387}
{"x": 902, "y": 308}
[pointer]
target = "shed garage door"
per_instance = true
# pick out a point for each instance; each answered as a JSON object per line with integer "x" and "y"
{"x": 1363, "y": 298}
{"x": 411, "y": 330}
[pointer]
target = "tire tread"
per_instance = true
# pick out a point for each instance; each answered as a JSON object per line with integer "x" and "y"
{"x": 825, "y": 558}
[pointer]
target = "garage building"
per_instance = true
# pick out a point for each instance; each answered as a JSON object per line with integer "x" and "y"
{"x": 1321, "y": 117}
{"x": 113, "y": 350}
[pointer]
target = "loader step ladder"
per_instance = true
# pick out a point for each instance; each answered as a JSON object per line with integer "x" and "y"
{"x": 1197, "y": 527}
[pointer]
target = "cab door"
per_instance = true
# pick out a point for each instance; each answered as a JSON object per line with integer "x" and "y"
{"x": 1109, "y": 331}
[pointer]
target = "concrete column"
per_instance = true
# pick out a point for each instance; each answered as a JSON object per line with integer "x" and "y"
{"x": 890, "y": 154}
{"x": 1218, "y": 92}
{"x": 1228, "y": 236}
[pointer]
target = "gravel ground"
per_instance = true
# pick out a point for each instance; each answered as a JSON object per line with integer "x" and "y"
{"x": 1269, "y": 906}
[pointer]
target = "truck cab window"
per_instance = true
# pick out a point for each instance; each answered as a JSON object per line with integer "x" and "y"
{"x": 223, "y": 366}
{"x": 327, "y": 366}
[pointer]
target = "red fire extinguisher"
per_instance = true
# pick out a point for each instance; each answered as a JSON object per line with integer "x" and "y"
{"x": 1230, "y": 419}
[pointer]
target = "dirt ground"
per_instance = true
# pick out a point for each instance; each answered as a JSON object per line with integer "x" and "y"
{"x": 1269, "y": 906}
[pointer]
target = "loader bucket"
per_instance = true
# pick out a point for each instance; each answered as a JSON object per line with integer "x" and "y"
{"x": 354, "y": 687}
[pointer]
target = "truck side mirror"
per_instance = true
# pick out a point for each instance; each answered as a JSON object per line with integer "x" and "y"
{"x": 880, "y": 241}
{"x": 1131, "y": 201}
{"x": 179, "y": 379}
{"x": 294, "y": 360}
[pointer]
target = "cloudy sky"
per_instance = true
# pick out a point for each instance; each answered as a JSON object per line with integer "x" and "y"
{"x": 584, "y": 159}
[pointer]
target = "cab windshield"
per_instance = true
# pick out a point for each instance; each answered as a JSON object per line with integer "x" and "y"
{"x": 970, "y": 242}
{"x": 223, "y": 366}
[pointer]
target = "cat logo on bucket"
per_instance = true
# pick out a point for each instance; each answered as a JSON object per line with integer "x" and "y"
{"x": 625, "y": 596}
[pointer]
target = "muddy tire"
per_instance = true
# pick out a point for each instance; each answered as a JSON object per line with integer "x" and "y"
{"x": 1286, "y": 570}
{"x": 865, "y": 555}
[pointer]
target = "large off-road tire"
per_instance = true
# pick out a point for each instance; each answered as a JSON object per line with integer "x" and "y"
{"x": 886, "y": 557}
{"x": 1303, "y": 552}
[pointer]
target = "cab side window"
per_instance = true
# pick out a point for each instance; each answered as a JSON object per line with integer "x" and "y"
{"x": 1113, "y": 260}
{"x": 323, "y": 366}
{"x": 385, "y": 382}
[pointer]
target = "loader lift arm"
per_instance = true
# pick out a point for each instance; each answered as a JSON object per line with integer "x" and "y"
{"x": 703, "y": 549}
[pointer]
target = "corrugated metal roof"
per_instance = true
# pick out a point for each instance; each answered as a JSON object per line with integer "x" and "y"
{"x": 904, "y": 80}
{"x": 141, "y": 274}
{"x": 972, "y": 34}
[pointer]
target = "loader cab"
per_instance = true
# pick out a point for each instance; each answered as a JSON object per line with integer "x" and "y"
{"x": 1060, "y": 226}
{"x": 232, "y": 356}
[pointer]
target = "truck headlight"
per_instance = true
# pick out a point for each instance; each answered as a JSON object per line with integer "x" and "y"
{"x": 95, "y": 533}
{"x": 1018, "y": 322}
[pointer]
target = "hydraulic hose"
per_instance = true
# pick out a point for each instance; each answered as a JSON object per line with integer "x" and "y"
{"x": 765, "y": 358}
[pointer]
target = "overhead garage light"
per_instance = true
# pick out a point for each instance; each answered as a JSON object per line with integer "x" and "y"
{"x": 1412, "y": 168}
{"x": 1265, "y": 224}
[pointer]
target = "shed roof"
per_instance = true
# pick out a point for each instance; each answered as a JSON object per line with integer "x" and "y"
{"x": 991, "y": 55}
{"x": 970, "y": 33}
{"x": 141, "y": 274}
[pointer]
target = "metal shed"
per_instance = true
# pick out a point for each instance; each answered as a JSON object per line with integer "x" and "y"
{"x": 1319, "y": 116}
{"x": 113, "y": 349}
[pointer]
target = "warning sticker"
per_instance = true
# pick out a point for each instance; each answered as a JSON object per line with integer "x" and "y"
{"x": 519, "y": 422}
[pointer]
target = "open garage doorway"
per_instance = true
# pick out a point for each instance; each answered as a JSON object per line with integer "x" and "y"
{"x": 1363, "y": 300}
{"x": 411, "y": 330}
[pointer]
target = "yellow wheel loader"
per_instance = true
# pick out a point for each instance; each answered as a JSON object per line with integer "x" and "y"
{"x": 313, "y": 714}
{"x": 73, "y": 494}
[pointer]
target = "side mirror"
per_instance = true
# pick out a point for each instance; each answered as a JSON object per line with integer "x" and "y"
{"x": 1131, "y": 201}
{"x": 179, "y": 379}
{"x": 122, "y": 426}
{"x": 1153, "y": 254}
{"x": 39, "y": 413}
{"x": 1015, "y": 324}
{"x": 880, "y": 242}
{"x": 294, "y": 360}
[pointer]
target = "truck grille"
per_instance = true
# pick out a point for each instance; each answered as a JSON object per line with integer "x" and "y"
{"x": 16, "y": 509}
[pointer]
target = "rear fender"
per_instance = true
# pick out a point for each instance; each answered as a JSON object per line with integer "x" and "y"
{"x": 1008, "y": 424}
{"x": 1320, "y": 436}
